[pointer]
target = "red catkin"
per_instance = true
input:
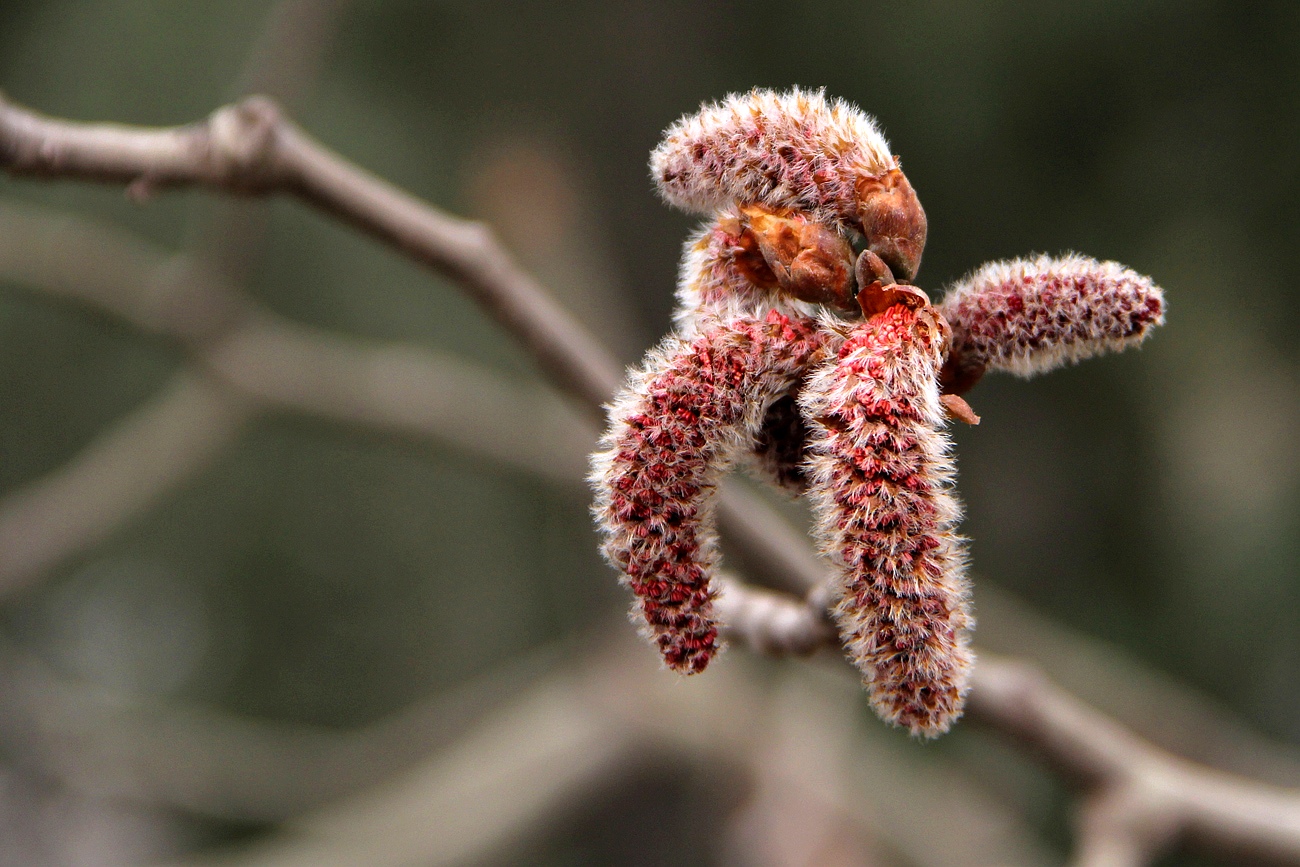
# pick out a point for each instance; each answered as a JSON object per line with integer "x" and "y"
{"x": 796, "y": 151}
{"x": 787, "y": 181}
{"x": 880, "y": 475}
{"x": 711, "y": 286}
{"x": 683, "y": 418}
{"x": 1029, "y": 316}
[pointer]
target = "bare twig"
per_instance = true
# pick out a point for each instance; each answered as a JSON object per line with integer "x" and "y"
{"x": 226, "y": 236}
{"x": 174, "y": 755}
{"x": 115, "y": 477}
{"x": 402, "y": 389}
{"x": 1147, "y": 702}
{"x": 287, "y": 57}
{"x": 771, "y": 622}
{"x": 542, "y": 754}
{"x": 249, "y": 148}
{"x": 1143, "y": 797}
{"x": 123, "y": 472}
{"x": 247, "y": 360}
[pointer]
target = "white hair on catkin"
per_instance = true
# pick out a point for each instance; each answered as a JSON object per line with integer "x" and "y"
{"x": 710, "y": 284}
{"x": 795, "y": 150}
{"x": 1028, "y": 316}
{"x": 879, "y": 477}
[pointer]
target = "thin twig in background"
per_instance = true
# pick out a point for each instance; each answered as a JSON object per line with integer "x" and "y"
{"x": 246, "y": 360}
{"x": 1142, "y": 798}
{"x": 249, "y": 148}
{"x": 159, "y": 447}
{"x": 176, "y": 755}
{"x": 124, "y": 471}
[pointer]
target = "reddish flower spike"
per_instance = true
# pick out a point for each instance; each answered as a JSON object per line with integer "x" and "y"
{"x": 795, "y": 152}
{"x": 879, "y": 478}
{"x": 674, "y": 431}
{"x": 1029, "y": 316}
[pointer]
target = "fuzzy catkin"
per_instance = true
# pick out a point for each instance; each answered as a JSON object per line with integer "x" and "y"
{"x": 674, "y": 431}
{"x": 795, "y": 151}
{"x": 709, "y": 284}
{"x": 1029, "y": 316}
{"x": 879, "y": 478}
{"x": 769, "y": 290}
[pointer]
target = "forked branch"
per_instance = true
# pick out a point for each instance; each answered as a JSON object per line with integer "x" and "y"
{"x": 1140, "y": 800}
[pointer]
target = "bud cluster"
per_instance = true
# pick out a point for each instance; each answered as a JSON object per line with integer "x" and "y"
{"x": 836, "y": 376}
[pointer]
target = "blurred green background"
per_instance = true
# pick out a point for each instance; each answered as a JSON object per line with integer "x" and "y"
{"x": 323, "y": 574}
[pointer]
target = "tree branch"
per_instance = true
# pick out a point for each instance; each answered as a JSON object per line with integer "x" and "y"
{"x": 249, "y": 148}
{"x": 1143, "y": 797}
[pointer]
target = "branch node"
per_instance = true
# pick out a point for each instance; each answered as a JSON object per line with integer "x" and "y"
{"x": 243, "y": 139}
{"x": 1125, "y": 823}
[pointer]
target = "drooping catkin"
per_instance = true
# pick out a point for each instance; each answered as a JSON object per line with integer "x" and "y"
{"x": 1029, "y": 316}
{"x": 880, "y": 474}
{"x": 674, "y": 430}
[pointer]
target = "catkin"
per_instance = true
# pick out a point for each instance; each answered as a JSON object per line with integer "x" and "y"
{"x": 880, "y": 474}
{"x": 1029, "y": 316}
{"x": 795, "y": 151}
{"x": 674, "y": 431}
